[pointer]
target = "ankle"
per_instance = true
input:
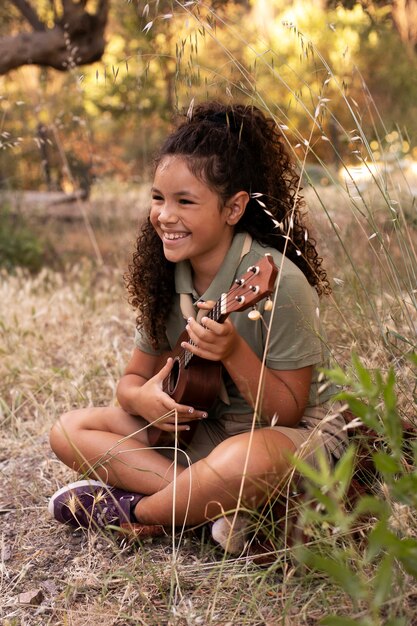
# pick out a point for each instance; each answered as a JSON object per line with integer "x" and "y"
{"x": 137, "y": 511}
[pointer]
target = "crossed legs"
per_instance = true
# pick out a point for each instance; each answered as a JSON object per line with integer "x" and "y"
{"x": 111, "y": 444}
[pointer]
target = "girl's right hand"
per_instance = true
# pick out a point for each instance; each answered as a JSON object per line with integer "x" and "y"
{"x": 159, "y": 409}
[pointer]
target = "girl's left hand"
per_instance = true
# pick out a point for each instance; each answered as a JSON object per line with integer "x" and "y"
{"x": 212, "y": 341}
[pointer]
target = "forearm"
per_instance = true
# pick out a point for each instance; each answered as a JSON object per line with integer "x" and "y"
{"x": 277, "y": 394}
{"x": 128, "y": 393}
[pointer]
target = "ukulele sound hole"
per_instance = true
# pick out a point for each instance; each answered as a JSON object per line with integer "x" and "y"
{"x": 173, "y": 376}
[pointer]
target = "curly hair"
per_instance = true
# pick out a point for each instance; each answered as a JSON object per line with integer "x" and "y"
{"x": 231, "y": 148}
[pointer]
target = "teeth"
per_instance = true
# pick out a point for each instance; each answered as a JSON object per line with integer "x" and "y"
{"x": 172, "y": 236}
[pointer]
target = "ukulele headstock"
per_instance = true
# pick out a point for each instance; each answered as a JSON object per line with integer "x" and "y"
{"x": 255, "y": 284}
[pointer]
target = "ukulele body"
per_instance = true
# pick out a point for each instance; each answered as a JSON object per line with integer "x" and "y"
{"x": 196, "y": 383}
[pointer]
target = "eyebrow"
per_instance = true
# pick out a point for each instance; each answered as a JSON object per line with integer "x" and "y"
{"x": 177, "y": 193}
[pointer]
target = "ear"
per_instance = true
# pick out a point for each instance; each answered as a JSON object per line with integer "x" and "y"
{"x": 236, "y": 206}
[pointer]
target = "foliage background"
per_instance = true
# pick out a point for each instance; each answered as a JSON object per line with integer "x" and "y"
{"x": 104, "y": 120}
{"x": 342, "y": 86}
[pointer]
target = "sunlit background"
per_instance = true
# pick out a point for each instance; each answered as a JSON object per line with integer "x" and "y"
{"x": 321, "y": 69}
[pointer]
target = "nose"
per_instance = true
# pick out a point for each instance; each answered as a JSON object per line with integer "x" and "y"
{"x": 167, "y": 214}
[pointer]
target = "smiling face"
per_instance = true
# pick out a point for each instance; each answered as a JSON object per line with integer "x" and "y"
{"x": 189, "y": 217}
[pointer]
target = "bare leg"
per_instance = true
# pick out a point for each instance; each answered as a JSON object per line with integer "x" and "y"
{"x": 212, "y": 485}
{"x": 115, "y": 446}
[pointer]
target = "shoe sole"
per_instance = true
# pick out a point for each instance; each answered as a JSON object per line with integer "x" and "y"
{"x": 78, "y": 483}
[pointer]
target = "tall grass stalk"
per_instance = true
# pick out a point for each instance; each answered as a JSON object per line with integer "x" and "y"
{"x": 65, "y": 336}
{"x": 373, "y": 298}
{"x": 384, "y": 219}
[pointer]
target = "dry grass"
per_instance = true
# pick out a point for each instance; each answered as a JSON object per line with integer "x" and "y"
{"x": 64, "y": 338}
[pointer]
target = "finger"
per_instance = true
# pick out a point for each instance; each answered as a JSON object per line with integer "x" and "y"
{"x": 195, "y": 335}
{"x": 183, "y": 422}
{"x": 206, "y": 305}
{"x": 199, "y": 334}
{"x": 170, "y": 419}
{"x": 192, "y": 347}
{"x": 210, "y": 353}
{"x": 171, "y": 428}
{"x": 220, "y": 330}
{"x": 189, "y": 412}
{"x": 212, "y": 326}
{"x": 185, "y": 410}
{"x": 196, "y": 415}
{"x": 165, "y": 370}
{"x": 185, "y": 413}
{"x": 194, "y": 326}
{"x": 194, "y": 341}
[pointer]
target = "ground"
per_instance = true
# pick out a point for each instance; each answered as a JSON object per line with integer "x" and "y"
{"x": 65, "y": 338}
{"x": 65, "y": 335}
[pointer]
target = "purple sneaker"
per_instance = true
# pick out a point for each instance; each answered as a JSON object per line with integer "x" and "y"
{"x": 92, "y": 504}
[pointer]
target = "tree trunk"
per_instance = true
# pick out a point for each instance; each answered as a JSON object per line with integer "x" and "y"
{"x": 76, "y": 39}
{"x": 404, "y": 15}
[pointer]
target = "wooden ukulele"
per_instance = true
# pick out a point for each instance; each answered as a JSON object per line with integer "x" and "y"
{"x": 196, "y": 381}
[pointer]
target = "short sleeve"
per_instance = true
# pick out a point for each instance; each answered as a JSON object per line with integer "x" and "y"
{"x": 143, "y": 343}
{"x": 295, "y": 339}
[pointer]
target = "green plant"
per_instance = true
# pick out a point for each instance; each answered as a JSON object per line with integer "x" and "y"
{"x": 373, "y": 573}
{"x": 19, "y": 244}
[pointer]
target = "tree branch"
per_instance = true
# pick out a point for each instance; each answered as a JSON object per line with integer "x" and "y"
{"x": 29, "y": 14}
{"x": 76, "y": 39}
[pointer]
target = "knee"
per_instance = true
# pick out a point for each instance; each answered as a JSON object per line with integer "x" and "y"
{"x": 62, "y": 432}
{"x": 255, "y": 458}
{"x": 228, "y": 458}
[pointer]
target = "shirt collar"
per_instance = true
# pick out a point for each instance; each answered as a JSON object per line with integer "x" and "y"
{"x": 223, "y": 279}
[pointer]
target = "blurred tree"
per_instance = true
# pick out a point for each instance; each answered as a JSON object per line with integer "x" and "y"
{"x": 65, "y": 38}
{"x": 293, "y": 58}
{"x": 72, "y": 36}
{"x": 403, "y": 14}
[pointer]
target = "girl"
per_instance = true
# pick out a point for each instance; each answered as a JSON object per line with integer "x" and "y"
{"x": 224, "y": 194}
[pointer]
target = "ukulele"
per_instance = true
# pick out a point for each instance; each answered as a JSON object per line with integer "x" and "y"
{"x": 196, "y": 381}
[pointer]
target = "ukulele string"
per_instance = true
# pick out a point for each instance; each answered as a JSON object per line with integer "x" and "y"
{"x": 215, "y": 313}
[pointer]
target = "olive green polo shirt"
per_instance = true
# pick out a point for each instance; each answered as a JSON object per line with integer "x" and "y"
{"x": 296, "y": 338}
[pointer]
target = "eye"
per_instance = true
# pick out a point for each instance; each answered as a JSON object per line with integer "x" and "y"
{"x": 156, "y": 197}
{"x": 185, "y": 201}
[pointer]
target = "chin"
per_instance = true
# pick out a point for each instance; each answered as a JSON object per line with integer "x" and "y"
{"x": 174, "y": 257}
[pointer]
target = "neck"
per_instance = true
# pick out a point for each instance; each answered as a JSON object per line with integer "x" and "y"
{"x": 202, "y": 284}
{"x": 205, "y": 269}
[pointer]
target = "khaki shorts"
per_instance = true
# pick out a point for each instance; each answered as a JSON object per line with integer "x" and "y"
{"x": 321, "y": 428}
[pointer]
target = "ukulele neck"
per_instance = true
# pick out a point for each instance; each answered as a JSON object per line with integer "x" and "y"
{"x": 216, "y": 314}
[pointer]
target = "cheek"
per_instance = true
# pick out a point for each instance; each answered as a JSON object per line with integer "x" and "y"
{"x": 153, "y": 217}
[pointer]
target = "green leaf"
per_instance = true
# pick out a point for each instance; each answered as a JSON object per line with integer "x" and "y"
{"x": 363, "y": 375}
{"x": 337, "y": 376}
{"x": 371, "y": 504}
{"x": 392, "y": 421}
{"x": 407, "y": 554}
{"x": 403, "y": 549}
{"x": 344, "y": 470}
{"x": 308, "y": 471}
{"x": 386, "y": 464}
{"x": 404, "y": 489}
{"x": 337, "y": 571}
{"x": 381, "y": 539}
{"x": 382, "y": 583}
{"x": 358, "y": 408}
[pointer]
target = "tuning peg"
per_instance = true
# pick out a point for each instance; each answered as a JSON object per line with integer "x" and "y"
{"x": 254, "y": 314}
{"x": 268, "y": 305}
